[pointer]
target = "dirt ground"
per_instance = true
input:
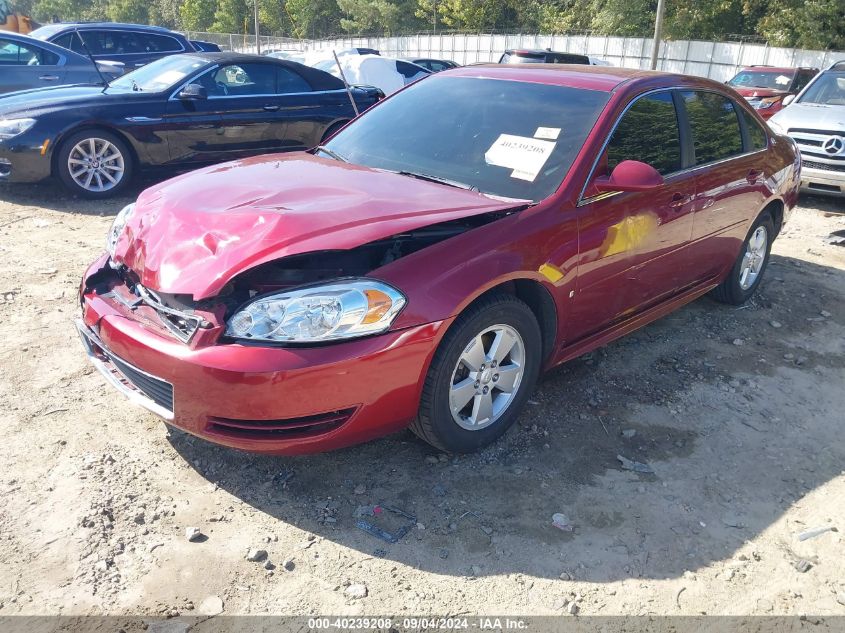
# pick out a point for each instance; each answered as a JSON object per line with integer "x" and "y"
{"x": 738, "y": 411}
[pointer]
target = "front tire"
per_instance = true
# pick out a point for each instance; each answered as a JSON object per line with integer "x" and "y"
{"x": 94, "y": 164}
{"x": 481, "y": 376}
{"x": 747, "y": 272}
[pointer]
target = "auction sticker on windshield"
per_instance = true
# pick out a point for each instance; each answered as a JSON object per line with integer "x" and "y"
{"x": 525, "y": 156}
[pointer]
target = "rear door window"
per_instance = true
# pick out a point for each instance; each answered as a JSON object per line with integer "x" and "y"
{"x": 14, "y": 54}
{"x": 155, "y": 43}
{"x": 648, "y": 132}
{"x": 289, "y": 82}
{"x": 715, "y": 127}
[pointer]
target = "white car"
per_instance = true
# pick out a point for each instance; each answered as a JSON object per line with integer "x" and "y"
{"x": 815, "y": 119}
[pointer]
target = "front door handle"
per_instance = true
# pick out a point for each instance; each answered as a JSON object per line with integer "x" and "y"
{"x": 679, "y": 200}
{"x": 271, "y": 108}
{"x": 49, "y": 77}
{"x": 754, "y": 175}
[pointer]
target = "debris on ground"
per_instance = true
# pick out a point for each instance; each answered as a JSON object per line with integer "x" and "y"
{"x": 256, "y": 555}
{"x": 638, "y": 467}
{"x": 803, "y": 566}
{"x": 629, "y": 433}
{"x": 562, "y": 522}
{"x": 212, "y": 605}
{"x": 401, "y": 522}
{"x": 814, "y": 532}
{"x": 356, "y": 591}
{"x": 193, "y": 534}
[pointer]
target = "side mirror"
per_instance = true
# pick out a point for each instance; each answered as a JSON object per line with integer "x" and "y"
{"x": 630, "y": 175}
{"x": 788, "y": 99}
{"x": 193, "y": 92}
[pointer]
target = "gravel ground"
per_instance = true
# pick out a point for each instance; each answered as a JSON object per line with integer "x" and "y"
{"x": 738, "y": 412}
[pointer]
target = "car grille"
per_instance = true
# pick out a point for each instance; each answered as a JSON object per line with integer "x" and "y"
{"x": 826, "y": 166}
{"x": 280, "y": 429}
{"x": 810, "y": 144}
{"x": 157, "y": 390}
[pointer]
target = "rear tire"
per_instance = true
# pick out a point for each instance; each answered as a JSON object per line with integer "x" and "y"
{"x": 94, "y": 164}
{"x": 481, "y": 375}
{"x": 747, "y": 272}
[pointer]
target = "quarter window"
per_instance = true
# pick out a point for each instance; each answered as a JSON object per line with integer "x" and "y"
{"x": 288, "y": 82}
{"x": 648, "y": 132}
{"x": 715, "y": 126}
{"x": 756, "y": 136}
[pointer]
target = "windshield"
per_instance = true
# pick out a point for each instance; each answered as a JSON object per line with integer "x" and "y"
{"x": 827, "y": 89}
{"x": 775, "y": 80}
{"x": 43, "y": 32}
{"x": 510, "y": 139}
{"x": 159, "y": 75}
{"x": 523, "y": 58}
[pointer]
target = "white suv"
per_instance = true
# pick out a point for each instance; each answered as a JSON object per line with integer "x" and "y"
{"x": 815, "y": 119}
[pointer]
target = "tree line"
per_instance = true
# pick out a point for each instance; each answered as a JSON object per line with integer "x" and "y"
{"x": 814, "y": 24}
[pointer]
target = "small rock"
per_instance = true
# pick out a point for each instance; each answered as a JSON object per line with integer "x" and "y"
{"x": 432, "y": 459}
{"x": 776, "y": 324}
{"x": 565, "y": 575}
{"x": 213, "y": 605}
{"x": 444, "y": 553}
{"x": 825, "y": 314}
{"x": 439, "y": 490}
{"x": 629, "y": 432}
{"x": 193, "y": 534}
{"x": 356, "y": 592}
{"x": 360, "y": 489}
{"x": 573, "y": 608}
{"x": 731, "y": 520}
{"x": 789, "y": 356}
{"x": 803, "y": 566}
{"x": 639, "y": 467}
{"x": 840, "y": 598}
{"x": 487, "y": 530}
{"x": 738, "y": 342}
{"x": 256, "y": 555}
{"x": 475, "y": 570}
{"x": 289, "y": 565}
{"x": 562, "y": 522}
{"x": 268, "y": 564}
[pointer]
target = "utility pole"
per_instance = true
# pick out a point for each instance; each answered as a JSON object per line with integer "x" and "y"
{"x": 658, "y": 32}
{"x": 257, "y": 40}
{"x": 434, "y": 16}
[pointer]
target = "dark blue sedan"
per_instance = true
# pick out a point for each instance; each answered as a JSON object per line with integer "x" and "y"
{"x": 133, "y": 45}
{"x": 179, "y": 112}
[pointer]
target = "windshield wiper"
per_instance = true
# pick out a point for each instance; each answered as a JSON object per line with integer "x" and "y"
{"x": 330, "y": 152}
{"x": 437, "y": 179}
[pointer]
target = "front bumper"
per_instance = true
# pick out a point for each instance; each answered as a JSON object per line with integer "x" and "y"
{"x": 264, "y": 399}
{"x": 826, "y": 181}
{"x": 24, "y": 159}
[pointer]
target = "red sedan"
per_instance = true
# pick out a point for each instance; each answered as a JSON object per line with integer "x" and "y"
{"x": 766, "y": 87}
{"x": 434, "y": 256}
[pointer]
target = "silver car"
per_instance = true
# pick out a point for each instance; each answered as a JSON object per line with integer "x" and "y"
{"x": 26, "y": 63}
{"x": 815, "y": 119}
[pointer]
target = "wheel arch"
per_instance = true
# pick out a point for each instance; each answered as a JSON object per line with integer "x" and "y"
{"x": 776, "y": 208}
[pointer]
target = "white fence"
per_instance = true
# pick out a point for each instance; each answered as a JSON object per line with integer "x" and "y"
{"x": 716, "y": 60}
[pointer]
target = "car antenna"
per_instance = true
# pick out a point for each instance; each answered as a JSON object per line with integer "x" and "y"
{"x": 91, "y": 57}
{"x": 345, "y": 83}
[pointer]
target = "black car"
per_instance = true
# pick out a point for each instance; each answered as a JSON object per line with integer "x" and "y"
{"x": 537, "y": 56}
{"x": 131, "y": 44}
{"x": 434, "y": 65}
{"x": 178, "y": 112}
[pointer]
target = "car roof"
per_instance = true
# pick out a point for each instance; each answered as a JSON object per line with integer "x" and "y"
{"x": 602, "y": 78}
{"x": 319, "y": 79}
{"x": 23, "y": 38}
{"x": 776, "y": 69}
{"x": 63, "y": 26}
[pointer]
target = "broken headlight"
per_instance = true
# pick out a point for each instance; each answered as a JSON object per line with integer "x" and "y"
{"x": 340, "y": 310}
{"x": 117, "y": 227}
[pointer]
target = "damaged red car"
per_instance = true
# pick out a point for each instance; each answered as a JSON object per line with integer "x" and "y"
{"x": 426, "y": 264}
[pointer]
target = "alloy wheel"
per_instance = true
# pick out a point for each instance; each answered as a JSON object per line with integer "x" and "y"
{"x": 487, "y": 377}
{"x": 96, "y": 164}
{"x": 754, "y": 258}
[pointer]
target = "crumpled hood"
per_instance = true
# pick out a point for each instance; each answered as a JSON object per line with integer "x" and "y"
{"x": 761, "y": 93}
{"x": 194, "y": 233}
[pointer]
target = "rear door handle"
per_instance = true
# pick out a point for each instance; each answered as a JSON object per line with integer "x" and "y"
{"x": 754, "y": 175}
{"x": 49, "y": 77}
{"x": 271, "y": 108}
{"x": 679, "y": 200}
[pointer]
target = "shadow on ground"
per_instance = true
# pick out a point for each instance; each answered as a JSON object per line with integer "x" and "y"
{"x": 701, "y": 418}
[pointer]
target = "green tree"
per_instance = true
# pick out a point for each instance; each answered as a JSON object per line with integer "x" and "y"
{"x": 313, "y": 18}
{"x": 814, "y": 24}
{"x": 197, "y": 15}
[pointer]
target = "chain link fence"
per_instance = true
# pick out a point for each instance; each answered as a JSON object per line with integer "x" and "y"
{"x": 240, "y": 43}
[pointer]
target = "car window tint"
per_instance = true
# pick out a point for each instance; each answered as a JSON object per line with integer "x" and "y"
{"x": 68, "y": 41}
{"x": 14, "y": 54}
{"x": 155, "y": 43}
{"x": 436, "y": 66}
{"x": 715, "y": 126}
{"x": 648, "y": 132}
{"x": 756, "y": 134}
{"x": 287, "y": 82}
{"x": 802, "y": 80}
{"x": 244, "y": 80}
